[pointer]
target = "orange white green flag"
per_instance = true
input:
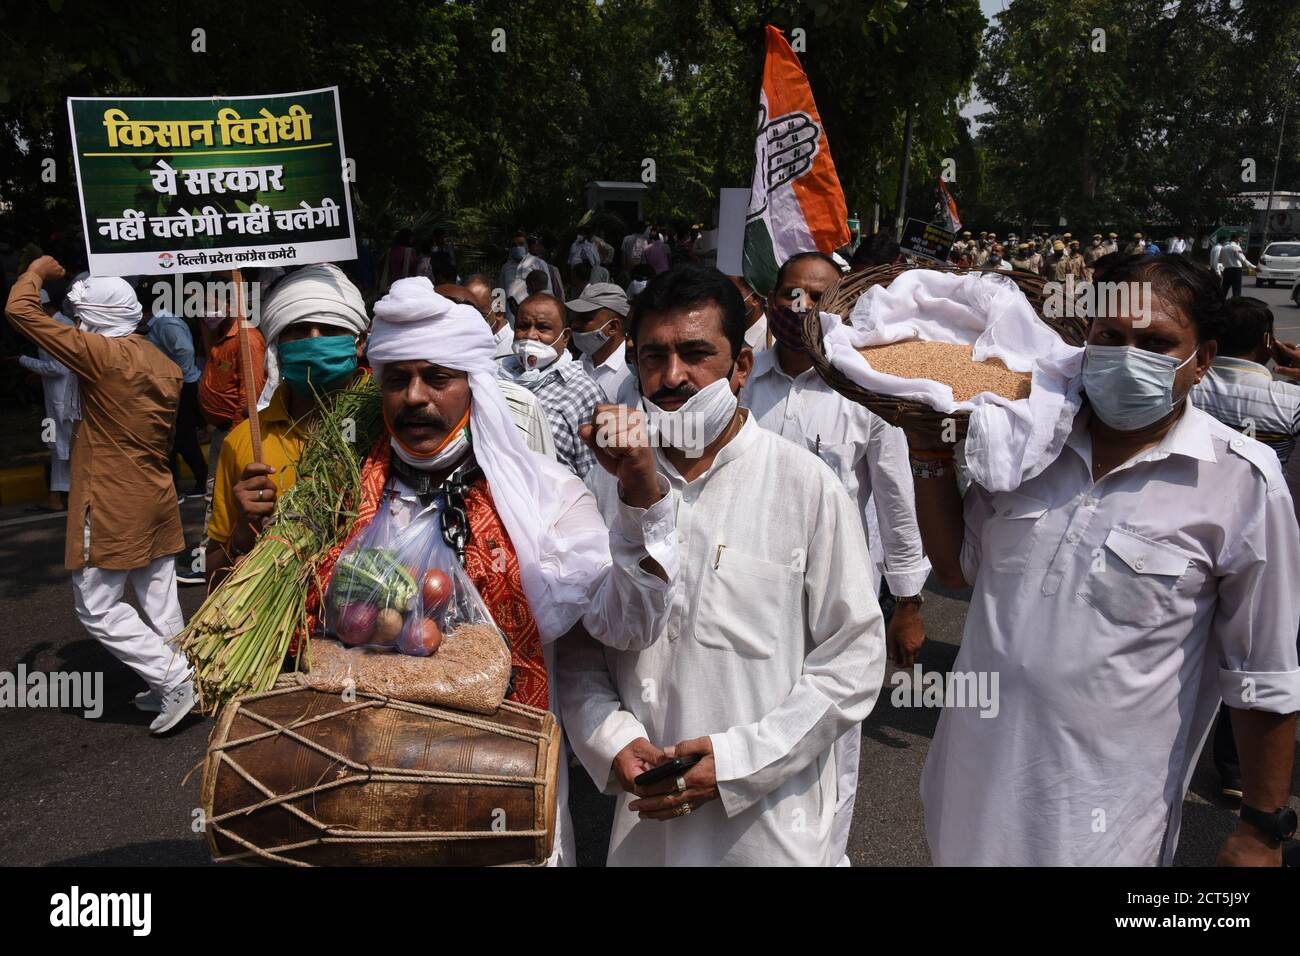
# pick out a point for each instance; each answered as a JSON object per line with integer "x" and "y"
{"x": 795, "y": 200}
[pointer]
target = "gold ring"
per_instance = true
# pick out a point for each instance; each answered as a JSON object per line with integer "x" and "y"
{"x": 684, "y": 809}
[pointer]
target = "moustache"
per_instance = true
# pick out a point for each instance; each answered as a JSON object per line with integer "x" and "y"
{"x": 420, "y": 417}
{"x": 683, "y": 391}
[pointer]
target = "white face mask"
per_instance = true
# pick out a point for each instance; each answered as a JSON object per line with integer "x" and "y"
{"x": 452, "y": 452}
{"x": 1130, "y": 388}
{"x": 699, "y": 421}
{"x": 534, "y": 355}
{"x": 589, "y": 343}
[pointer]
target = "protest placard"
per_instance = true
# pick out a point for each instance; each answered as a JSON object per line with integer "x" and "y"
{"x": 925, "y": 240}
{"x": 211, "y": 183}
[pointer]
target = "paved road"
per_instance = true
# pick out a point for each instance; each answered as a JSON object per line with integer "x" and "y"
{"x": 1286, "y": 316}
{"x": 105, "y": 792}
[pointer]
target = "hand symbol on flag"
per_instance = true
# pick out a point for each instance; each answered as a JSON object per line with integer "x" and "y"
{"x": 790, "y": 147}
{"x": 787, "y": 147}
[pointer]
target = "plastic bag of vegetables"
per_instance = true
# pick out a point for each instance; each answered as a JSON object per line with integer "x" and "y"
{"x": 398, "y": 585}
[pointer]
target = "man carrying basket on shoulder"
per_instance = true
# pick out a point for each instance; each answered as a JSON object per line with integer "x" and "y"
{"x": 1142, "y": 576}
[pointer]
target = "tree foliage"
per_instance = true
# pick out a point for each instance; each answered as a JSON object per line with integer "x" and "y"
{"x": 446, "y": 128}
{"x": 1148, "y": 121}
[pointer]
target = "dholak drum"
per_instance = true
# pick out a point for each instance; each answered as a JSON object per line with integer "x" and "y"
{"x": 299, "y": 777}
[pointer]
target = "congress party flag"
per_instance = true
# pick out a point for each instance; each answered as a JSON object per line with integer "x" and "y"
{"x": 795, "y": 200}
{"x": 948, "y": 206}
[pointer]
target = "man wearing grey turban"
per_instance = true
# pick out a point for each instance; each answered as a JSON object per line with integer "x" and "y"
{"x": 124, "y": 523}
{"x": 312, "y": 322}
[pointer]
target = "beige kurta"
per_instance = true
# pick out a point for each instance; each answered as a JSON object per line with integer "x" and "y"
{"x": 129, "y": 396}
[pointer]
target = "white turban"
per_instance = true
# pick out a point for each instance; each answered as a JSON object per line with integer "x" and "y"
{"x": 320, "y": 294}
{"x": 412, "y": 322}
{"x": 106, "y": 305}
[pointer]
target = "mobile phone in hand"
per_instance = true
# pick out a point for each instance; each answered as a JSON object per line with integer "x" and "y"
{"x": 666, "y": 771}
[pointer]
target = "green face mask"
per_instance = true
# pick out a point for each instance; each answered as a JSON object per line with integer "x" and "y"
{"x": 318, "y": 364}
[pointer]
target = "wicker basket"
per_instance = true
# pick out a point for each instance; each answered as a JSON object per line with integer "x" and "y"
{"x": 840, "y": 299}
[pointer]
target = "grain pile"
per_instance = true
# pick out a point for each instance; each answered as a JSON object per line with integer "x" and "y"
{"x": 470, "y": 671}
{"x": 950, "y": 364}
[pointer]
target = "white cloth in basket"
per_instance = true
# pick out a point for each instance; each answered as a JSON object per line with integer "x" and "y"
{"x": 1008, "y": 441}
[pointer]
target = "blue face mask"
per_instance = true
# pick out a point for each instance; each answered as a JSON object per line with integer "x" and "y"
{"x": 1130, "y": 388}
{"x": 318, "y": 364}
{"x": 517, "y": 253}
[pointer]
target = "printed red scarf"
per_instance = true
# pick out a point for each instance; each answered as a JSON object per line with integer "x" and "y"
{"x": 490, "y": 562}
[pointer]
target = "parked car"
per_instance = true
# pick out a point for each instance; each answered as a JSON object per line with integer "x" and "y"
{"x": 1279, "y": 263}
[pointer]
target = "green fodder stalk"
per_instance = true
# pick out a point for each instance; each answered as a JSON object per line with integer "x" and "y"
{"x": 237, "y": 641}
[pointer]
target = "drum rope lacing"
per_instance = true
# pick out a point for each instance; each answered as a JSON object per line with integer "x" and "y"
{"x": 364, "y": 773}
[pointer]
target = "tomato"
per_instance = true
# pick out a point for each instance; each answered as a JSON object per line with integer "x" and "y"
{"x": 436, "y": 590}
{"x": 421, "y": 638}
{"x": 356, "y": 623}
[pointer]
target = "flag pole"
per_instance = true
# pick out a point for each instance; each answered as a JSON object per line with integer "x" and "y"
{"x": 901, "y": 213}
{"x": 246, "y": 367}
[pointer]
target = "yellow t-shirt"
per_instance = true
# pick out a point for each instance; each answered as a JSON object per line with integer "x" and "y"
{"x": 282, "y": 443}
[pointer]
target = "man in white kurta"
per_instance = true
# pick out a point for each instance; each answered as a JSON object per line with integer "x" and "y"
{"x": 870, "y": 459}
{"x": 1116, "y": 613}
{"x": 773, "y": 650}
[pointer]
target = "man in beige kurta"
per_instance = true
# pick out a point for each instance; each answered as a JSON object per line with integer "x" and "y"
{"x": 123, "y": 518}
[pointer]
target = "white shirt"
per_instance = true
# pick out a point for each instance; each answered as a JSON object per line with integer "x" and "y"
{"x": 1115, "y": 615}
{"x": 773, "y": 649}
{"x": 611, "y": 373}
{"x": 866, "y": 454}
{"x": 1231, "y": 257}
{"x": 1244, "y": 396}
{"x": 1215, "y": 252}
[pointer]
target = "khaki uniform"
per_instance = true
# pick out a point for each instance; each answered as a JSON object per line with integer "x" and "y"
{"x": 1078, "y": 267}
{"x": 130, "y": 392}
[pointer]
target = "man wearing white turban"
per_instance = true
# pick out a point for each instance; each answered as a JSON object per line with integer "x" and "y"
{"x": 312, "y": 323}
{"x": 123, "y": 519}
{"x": 451, "y": 435}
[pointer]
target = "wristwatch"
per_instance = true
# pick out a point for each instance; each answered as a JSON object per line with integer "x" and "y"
{"x": 916, "y": 599}
{"x": 1280, "y": 824}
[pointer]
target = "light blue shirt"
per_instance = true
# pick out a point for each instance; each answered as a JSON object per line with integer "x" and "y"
{"x": 173, "y": 338}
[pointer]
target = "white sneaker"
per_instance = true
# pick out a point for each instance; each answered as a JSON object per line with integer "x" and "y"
{"x": 175, "y": 705}
{"x": 150, "y": 701}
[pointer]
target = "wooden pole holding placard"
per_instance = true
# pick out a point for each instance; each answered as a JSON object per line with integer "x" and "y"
{"x": 246, "y": 365}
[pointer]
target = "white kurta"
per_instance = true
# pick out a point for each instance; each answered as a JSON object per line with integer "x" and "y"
{"x": 772, "y": 650}
{"x": 1115, "y": 615}
{"x": 868, "y": 455}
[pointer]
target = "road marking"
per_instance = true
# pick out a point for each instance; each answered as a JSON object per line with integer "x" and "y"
{"x": 28, "y": 519}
